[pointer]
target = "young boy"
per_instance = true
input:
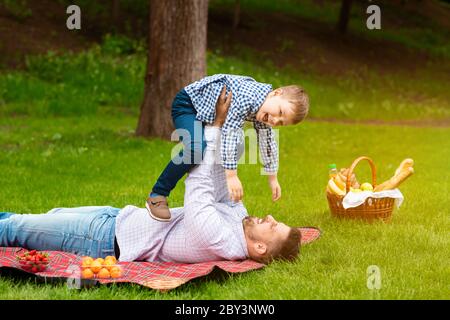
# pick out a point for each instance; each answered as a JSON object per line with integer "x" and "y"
{"x": 194, "y": 106}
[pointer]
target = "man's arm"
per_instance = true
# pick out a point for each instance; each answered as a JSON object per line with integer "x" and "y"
{"x": 200, "y": 215}
{"x": 201, "y": 219}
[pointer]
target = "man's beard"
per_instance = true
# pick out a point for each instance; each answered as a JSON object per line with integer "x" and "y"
{"x": 248, "y": 223}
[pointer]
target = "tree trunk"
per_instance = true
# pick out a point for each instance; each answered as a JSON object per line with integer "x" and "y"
{"x": 344, "y": 16}
{"x": 176, "y": 57}
{"x": 115, "y": 11}
{"x": 237, "y": 14}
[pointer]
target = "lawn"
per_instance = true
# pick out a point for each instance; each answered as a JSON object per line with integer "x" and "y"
{"x": 83, "y": 161}
{"x": 67, "y": 139}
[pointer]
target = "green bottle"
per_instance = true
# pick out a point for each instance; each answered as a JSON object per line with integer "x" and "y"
{"x": 332, "y": 170}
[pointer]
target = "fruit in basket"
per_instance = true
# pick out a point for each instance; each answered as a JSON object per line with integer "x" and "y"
{"x": 366, "y": 186}
{"x": 33, "y": 261}
{"x": 371, "y": 209}
{"x": 401, "y": 174}
{"x": 343, "y": 173}
{"x": 334, "y": 188}
{"x": 339, "y": 182}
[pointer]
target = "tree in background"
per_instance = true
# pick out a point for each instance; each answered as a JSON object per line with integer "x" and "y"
{"x": 344, "y": 16}
{"x": 176, "y": 57}
{"x": 115, "y": 11}
{"x": 237, "y": 14}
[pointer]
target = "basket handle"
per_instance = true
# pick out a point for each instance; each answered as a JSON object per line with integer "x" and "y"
{"x": 352, "y": 167}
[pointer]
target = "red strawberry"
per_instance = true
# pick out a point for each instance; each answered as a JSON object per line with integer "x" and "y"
{"x": 44, "y": 259}
{"x": 34, "y": 269}
{"x": 32, "y": 252}
{"x": 29, "y": 258}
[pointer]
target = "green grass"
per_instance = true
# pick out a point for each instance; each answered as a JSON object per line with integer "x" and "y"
{"x": 83, "y": 161}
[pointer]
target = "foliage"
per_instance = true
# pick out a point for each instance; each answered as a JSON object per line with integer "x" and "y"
{"x": 108, "y": 78}
{"x": 121, "y": 45}
{"x": 399, "y": 26}
{"x": 76, "y": 83}
{"x": 373, "y": 96}
{"x": 18, "y": 8}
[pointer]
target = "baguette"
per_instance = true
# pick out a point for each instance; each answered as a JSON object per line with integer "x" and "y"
{"x": 405, "y": 164}
{"x": 396, "y": 180}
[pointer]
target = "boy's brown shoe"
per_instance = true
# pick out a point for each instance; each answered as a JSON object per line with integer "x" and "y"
{"x": 158, "y": 209}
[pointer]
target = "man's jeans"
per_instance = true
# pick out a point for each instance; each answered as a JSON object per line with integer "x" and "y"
{"x": 86, "y": 231}
{"x": 191, "y": 132}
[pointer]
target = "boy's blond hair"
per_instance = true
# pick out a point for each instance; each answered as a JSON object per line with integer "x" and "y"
{"x": 299, "y": 99}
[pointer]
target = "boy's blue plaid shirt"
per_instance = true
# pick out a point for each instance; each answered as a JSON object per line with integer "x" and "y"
{"x": 248, "y": 96}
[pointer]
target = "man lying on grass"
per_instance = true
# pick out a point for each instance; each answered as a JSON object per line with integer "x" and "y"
{"x": 209, "y": 227}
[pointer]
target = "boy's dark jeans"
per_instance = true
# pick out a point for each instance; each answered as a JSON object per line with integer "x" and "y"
{"x": 191, "y": 132}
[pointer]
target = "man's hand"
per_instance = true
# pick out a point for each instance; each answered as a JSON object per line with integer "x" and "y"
{"x": 222, "y": 106}
{"x": 234, "y": 185}
{"x": 275, "y": 187}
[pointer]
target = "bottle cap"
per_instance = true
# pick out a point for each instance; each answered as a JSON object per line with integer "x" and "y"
{"x": 332, "y": 166}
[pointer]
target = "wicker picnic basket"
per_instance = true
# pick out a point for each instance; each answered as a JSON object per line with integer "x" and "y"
{"x": 372, "y": 209}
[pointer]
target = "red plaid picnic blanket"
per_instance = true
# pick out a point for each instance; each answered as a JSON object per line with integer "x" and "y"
{"x": 155, "y": 275}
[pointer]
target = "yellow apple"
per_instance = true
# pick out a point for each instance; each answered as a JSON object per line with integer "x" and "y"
{"x": 366, "y": 187}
